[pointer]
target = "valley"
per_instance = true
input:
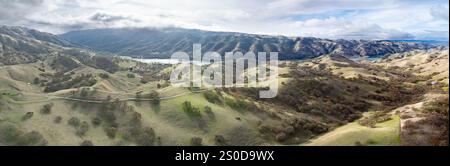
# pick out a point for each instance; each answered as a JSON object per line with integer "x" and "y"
{"x": 66, "y": 94}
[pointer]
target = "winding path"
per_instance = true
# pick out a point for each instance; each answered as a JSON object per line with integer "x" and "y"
{"x": 53, "y": 97}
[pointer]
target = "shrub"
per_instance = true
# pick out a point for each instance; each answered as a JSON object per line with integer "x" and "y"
{"x": 190, "y": 110}
{"x": 196, "y": 141}
{"x": 96, "y": 121}
{"x": 154, "y": 97}
{"x": 107, "y": 115}
{"x": 84, "y": 92}
{"x": 47, "y": 108}
{"x": 220, "y": 140}
{"x": 9, "y": 133}
{"x": 280, "y": 137}
{"x": 143, "y": 81}
{"x": 104, "y": 75}
{"x": 27, "y": 116}
{"x": 31, "y": 138}
{"x": 86, "y": 143}
{"x": 57, "y": 119}
{"x": 438, "y": 117}
{"x": 75, "y": 122}
{"x": 135, "y": 119}
{"x": 130, "y": 75}
{"x": 238, "y": 104}
{"x": 139, "y": 94}
{"x": 82, "y": 129}
{"x": 65, "y": 81}
{"x": 357, "y": 143}
{"x": 209, "y": 112}
{"x": 371, "y": 142}
{"x": 212, "y": 97}
{"x": 146, "y": 137}
{"x": 322, "y": 66}
{"x": 36, "y": 81}
{"x": 111, "y": 132}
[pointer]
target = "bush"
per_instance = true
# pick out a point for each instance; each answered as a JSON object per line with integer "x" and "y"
{"x": 57, "y": 119}
{"x": 75, "y": 122}
{"x": 357, "y": 143}
{"x": 104, "y": 75}
{"x": 322, "y": 66}
{"x": 111, "y": 132}
{"x": 96, "y": 121}
{"x": 31, "y": 138}
{"x": 65, "y": 81}
{"x": 196, "y": 141}
{"x": 209, "y": 112}
{"x": 281, "y": 137}
{"x": 135, "y": 120}
{"x": 82, "y": 129}
{"x": 27, "y": 116}
{"x": 86, "y": 143}
{"x": 11, "y": 135}
{"x": 146, "y": 137}
{"x": 220, "y": 140}
{"x": 130, "y": 75}
{"x": 107, "y": 115}
{"x": 371, "y": 142}
{"x": 36, "y": 81}
{"x": 212, "y": 97}
{"x": 154, "y": 97}
{"x": 438, "y": 117}
{"x": 84, "y": 92}
{"x": 190, "y": 110}
{"x": 47, "y": 108}
{"x": 239, "y": 104}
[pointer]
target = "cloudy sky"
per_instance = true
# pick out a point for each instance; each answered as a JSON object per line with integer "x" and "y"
{"x": 349, "y": 19}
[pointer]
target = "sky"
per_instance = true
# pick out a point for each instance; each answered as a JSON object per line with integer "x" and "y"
{"x": 333, "y": 19}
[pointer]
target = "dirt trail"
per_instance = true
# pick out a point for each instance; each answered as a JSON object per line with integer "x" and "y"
{"x": 53, "y": 97}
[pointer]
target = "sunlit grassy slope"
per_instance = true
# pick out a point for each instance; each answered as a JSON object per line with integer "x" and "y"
{"x": 386, "y": 133}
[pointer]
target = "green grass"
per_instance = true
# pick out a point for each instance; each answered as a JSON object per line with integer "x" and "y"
{"x": 385, "y": 134}
{"x": 176, "y": 127}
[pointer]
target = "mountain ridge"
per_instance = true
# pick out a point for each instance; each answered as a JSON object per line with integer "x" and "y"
{"x": 161, "y": 43}
{"x": 23, "y": 45}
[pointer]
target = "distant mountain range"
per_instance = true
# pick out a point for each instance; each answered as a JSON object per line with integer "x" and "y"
{"x": 162, "y": 43}
{"x": 23, "y": 45}
{"x": 430, "y": 42}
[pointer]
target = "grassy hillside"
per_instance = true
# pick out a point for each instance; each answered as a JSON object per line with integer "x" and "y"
{"x": 354, "y": 134}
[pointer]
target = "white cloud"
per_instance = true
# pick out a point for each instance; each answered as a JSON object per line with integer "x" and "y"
{"x": 356, "y": 19}
{"x": 13, "y": 9}
{"x": 440, "y": 12}
{"x": 342, "y": 28}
